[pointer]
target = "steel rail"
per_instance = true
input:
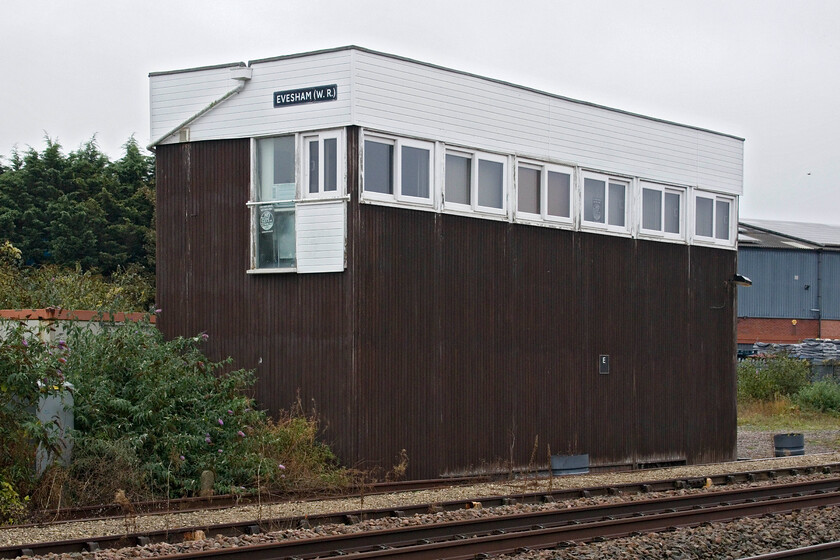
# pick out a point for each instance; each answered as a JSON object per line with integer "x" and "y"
{"x": 464, "y": 542}
{"x": 223, "y": 501}
{"x": 193, "y": 504}
{"x": 507, "y": 523}
{"x": 823, "y": 551}
{"x": 552, "y": 537}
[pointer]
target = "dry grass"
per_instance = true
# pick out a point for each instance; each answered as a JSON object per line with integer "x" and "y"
{"x": 782, "y": 414}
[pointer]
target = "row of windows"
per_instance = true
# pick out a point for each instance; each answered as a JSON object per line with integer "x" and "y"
{"x": 294, "y": 169}
{"x": 404, "y": 171}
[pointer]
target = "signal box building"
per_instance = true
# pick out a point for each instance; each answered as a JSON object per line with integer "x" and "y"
{"x": 449, "y": 264}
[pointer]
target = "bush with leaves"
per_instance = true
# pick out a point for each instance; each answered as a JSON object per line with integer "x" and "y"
{"x": 13, "y": 509}
{"x": 31, "y": 368}
{"x": 767, "y": 378}
{"x": 822, "y": 396}
{"x": 166, "y": 412}
{"x": 80, "y": 208}
{"x": 22, "y": 287}
{"x": 175, "y": 410}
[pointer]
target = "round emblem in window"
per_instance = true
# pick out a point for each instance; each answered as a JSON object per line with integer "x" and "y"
{"x": 267, "y": 220}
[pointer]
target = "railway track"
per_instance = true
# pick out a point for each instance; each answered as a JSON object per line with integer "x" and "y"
{"x": 186, "y": 505}
{"x": 616, "y": 510}
{"x": 825, "y": 551}
{"x": 193, "y": 504}
{"x": 477, "y": 538}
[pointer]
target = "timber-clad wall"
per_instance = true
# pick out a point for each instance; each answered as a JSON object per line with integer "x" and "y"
{"x": 457, "y": 338}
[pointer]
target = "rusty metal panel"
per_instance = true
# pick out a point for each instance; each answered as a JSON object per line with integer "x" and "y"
{"x": 478, "y": 338}
{"x": 294, "y": 329}
{"x": 461, "y": 340}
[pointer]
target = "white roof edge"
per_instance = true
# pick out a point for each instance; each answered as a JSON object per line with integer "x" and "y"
{"x": 461, "y": 72}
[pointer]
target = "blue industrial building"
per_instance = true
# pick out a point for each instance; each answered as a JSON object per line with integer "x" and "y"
{"x": 795, "y": 270}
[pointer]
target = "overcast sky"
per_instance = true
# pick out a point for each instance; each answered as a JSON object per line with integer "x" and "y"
{"x": 767, "y": 71}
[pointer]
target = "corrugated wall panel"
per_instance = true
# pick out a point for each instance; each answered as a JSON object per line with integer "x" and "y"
{"x": 479, "y": 336}
{"x": 294, "y": 329}
{"x": 708, "y": 383}
{"x": 830, "y": 285}
{"x": 460, "y": 340}
{"x": 779, "y": 280}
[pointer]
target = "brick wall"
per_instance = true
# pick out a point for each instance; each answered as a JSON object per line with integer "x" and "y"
{"x": 785, "y": 331}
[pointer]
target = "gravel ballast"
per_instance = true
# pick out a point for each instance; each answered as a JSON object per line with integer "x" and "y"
{"x": 718, "y": 541}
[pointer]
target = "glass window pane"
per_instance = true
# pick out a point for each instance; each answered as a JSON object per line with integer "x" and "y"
{"x": 415, "y": 172}
{"x": 559, "y": 194}
{"x": 703, "y": 217}
{"x": 490, "y": 183}
{"x": 284, "y": 159}
{"x": 652, "y": 209}
{"x": 275, "y": 235}
{"x": 529, "y": 190}
{"x": 458, "y": 173}
{"x": 313, "y": 166}
{"x": 330, "y": 164}
{"x": 593, "y": 200}
{"x": 379, "y": 167}
{"x": 616, "y": 217}
{"x": 722, "y": 219}
{"x": 672, "y": 212}
{"x": 276, "y": 168}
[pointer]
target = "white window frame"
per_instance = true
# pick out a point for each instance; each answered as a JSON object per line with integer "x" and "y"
{"x": 254, "y": 203}
{"x": 733, "y": 222}
{"x": 396, "y": 172}
{"x": 301, "y": 190}
{"x": 476, "y": 157}
{"x": 545, "y": 169}
{"x": 628, "y": 183}
{"x": 663, "y": 190}
{"x": 341, "y": 162}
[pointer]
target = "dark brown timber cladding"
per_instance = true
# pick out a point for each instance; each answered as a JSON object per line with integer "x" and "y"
{"x": 461, "y": 340}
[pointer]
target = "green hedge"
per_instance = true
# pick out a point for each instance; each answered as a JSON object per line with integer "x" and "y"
{"x": 823, "y": 396}
{"x": 767, "y": 378}
{"x": 150, "y": 416}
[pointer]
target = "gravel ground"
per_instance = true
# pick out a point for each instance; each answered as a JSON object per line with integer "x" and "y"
{"x": 695, "y": 543}
{"x": 737, "y": 539}
{"x": 756, "y": 445}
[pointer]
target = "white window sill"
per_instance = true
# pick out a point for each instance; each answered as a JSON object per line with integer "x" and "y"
{"x": 270, "y": 270}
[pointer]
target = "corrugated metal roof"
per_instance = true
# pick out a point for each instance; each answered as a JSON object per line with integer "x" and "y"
{"x": 750, "y": 237}
{"x": 786, "y": 234}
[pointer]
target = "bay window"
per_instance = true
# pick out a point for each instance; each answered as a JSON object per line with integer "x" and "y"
{"x": 284, "y": 201}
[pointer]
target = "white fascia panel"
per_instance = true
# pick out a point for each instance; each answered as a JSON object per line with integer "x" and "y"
{"x": 251, "y": 113}
{"x": 417, "y": 100}
{"x": 177, "y": 96}
{"x": 321, "y": 234}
